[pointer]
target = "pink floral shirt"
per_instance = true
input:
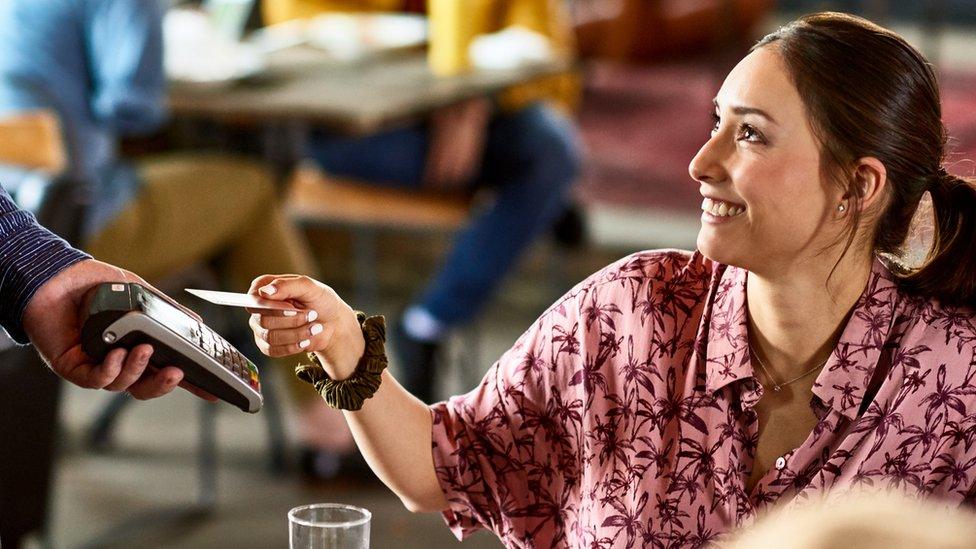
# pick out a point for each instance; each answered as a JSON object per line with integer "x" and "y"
{"x": 623, "y": 417}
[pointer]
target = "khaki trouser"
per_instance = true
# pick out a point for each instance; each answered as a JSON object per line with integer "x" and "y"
{"x": 192, "y": 208}
{"x": 196, "y": 207}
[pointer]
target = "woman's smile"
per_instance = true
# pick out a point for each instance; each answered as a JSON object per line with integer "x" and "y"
{"x": 716, "y": 211}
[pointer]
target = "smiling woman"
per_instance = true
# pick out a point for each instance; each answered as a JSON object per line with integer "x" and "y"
{"x": 631, "y": 413}
{"x": 761, "y": 158}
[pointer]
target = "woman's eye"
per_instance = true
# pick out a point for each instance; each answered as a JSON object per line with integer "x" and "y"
{"x": 748, "y": 133}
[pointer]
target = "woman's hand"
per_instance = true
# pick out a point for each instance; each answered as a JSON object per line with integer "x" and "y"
{"x": 393, "y": 428}
{"x": 325, "y": 324}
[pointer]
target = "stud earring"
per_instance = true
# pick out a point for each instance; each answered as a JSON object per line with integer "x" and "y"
{"x": 841, "y": 208}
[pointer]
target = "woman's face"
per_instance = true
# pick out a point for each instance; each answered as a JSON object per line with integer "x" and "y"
{"x": 765, "y": 205}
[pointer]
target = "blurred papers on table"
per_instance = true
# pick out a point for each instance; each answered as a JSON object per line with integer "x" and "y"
{"x": 346, "y": 36}
{"x": 353, "y": 37}
{"x": 510, "y": 48}
{"x": 197, "y": 54}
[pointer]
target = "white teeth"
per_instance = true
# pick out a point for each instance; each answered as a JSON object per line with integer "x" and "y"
{"x": 721, "y": 209}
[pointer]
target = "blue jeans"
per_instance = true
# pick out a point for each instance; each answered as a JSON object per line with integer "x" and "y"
{"x": 531, "y": 160}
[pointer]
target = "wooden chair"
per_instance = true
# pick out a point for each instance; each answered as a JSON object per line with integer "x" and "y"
{"x": 314, "y": 199}
{"x": 33, "y": 140}
{"x": 656, "y": 30}
{"x": 29, "y": 392}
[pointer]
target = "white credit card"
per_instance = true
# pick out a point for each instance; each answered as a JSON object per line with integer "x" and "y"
{"x": 249, "y": 301}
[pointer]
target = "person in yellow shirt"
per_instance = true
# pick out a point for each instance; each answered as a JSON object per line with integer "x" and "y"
{"x": 521, "y": 144}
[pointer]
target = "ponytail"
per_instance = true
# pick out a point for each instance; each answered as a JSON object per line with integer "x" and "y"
{"x": 869, "y": 93}
{"x": 949, "y": 270}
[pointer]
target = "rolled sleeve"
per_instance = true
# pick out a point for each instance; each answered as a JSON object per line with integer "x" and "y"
{"x": 466, "y": 460}
{"x": 507, "y": 453}
{"x": 30, "y": 255}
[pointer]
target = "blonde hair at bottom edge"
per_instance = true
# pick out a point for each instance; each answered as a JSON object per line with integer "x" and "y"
{"x": 868, "y": 520}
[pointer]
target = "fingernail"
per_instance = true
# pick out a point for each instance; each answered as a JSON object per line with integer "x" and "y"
{"x": 268, "y": 289}
{"x": 304, "y": 343}
{"x": 316, "y": 329}
{"x": 312, "y": 315}
{"x": 289, "y": 313}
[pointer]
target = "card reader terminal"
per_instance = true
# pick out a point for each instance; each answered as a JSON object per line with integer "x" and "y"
{"x": 126, "y": 314}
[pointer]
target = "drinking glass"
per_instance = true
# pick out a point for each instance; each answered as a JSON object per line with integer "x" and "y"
{"x": 328, "y": 526}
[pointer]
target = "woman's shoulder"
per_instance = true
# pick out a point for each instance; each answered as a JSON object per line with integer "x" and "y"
{"x": 658, "y": 266}
{"x": 647, "y": 270}
{"x": 940, "y": 323}
{"x": 934, "y": 335}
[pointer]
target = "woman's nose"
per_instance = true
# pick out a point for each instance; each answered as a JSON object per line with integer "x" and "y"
{"x": 706, "y": 166}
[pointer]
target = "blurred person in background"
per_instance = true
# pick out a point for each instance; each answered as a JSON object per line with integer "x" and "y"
{"x": 98, "y": 65}
{"x": 673, "y": 395}
{"x": 522, "y": 145}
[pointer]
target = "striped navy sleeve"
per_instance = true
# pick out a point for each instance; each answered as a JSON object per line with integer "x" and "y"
{"x": 30, "y": 255}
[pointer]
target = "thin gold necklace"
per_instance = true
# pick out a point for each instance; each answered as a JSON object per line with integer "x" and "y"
{"x": 778, "y": 386}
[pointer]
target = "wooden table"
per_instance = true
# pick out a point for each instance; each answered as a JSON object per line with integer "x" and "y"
{"x": 304, "y": 84}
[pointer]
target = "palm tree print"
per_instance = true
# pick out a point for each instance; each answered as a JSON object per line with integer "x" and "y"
{"x": 623, "y": 416}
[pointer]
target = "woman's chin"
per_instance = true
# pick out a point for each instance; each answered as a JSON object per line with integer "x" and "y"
{"x": 712, "y": 247}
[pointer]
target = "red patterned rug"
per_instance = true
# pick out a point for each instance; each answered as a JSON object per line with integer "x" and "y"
{"x": 641, "y": 127}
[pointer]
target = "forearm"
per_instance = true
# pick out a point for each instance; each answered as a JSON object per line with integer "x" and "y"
{"x": 393, "y": 429}
{"x": 30, "y": 255}
{"x": 393, "y": 432}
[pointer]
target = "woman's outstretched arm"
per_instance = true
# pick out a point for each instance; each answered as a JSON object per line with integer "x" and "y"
{"x": 393, "y": 428}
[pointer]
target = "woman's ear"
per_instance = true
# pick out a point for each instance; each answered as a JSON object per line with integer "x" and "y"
{"x": 870, "y": 180}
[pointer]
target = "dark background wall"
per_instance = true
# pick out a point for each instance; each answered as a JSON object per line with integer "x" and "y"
{"x": 953, "y": 11}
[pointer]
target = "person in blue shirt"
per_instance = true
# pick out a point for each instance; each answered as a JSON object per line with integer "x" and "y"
{"x": 98, "y": 65}
{"x": 41, "y": 289}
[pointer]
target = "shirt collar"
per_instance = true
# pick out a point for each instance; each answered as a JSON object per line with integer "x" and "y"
{"x": 727, "y": 339}
{"x": 842, "y": 382}
{"x": 849, "y": 369}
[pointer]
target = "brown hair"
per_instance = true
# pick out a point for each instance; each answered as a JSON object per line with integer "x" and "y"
{"x": 870, "y": 94}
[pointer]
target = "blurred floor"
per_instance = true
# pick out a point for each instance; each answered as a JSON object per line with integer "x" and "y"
{"x": 154, "y": 467}
{"x": 154, "y": 464}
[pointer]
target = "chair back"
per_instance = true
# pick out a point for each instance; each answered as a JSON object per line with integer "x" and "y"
{"x": 33, "y": 140}
{"x": 314, "y": 198}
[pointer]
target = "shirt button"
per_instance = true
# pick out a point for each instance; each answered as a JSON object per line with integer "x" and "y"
{"x": 780, "y": 463}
